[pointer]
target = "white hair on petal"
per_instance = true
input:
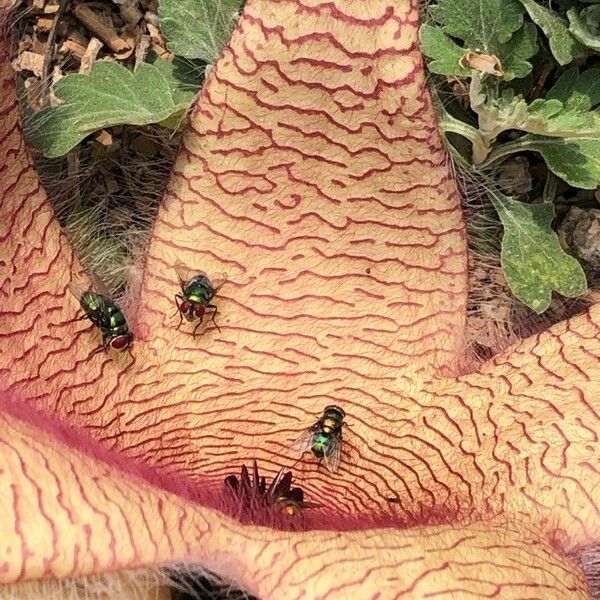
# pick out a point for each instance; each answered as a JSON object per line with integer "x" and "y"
{"x": 178, "y": 582}
{"x": 140, "y": 584}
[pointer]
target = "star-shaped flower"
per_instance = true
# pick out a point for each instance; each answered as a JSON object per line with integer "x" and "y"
{"x": 312, "y": 172}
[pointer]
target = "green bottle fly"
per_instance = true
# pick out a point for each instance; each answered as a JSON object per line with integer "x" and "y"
{"x": 104, "y": 313}
{"x": 324, "y": 438}
{"x": 197, "y": 293}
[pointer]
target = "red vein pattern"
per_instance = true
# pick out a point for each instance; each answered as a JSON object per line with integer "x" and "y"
{"x": 311, "y": 172}
{"x": 97, "y": 518}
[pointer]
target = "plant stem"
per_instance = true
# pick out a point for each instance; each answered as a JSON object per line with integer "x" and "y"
{"x": 550, "y": 187}
{"x": 506, "y": 149}
{"x": 451, "y": 125}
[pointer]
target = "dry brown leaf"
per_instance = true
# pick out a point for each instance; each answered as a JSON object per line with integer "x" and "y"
{"x": 102, "y": 29}
{"x": 51, "y": 9}
{"x": 44, "y": 24}
{"x": 131, "y": 14}
{"x": 29, "y": 61}
{"x": 73, "y": 48}
{"x": 141, "y": 49}
{"x": 104, "y": 137}
{"x": 90, "y": 55}
{"x": 484, "y": 63}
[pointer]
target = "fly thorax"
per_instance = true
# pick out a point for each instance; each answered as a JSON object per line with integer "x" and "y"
{"x": 198, "y": 298}
{"x": 199, "y": 290}
{"x": 328, "y": 425}
{"x": 90, "y": 302}
{"x": 117, "y": 320}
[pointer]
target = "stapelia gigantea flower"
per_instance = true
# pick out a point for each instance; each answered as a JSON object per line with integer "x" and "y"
{"x": 312, "y": 172}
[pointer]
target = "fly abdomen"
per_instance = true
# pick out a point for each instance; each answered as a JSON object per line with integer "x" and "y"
{"x": 321, "y": 445}
{"x": 93, "y": 306}
{"x": 329, "y": 425}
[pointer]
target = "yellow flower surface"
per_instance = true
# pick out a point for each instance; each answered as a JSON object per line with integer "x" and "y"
{"x": 313, "y": 174}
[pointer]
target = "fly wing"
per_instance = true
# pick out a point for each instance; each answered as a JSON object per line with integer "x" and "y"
{"x": 77, "y": 289}
{"x": 280, "y": 486}
{"x": 304, "y": 441}
{"x": 332, "y": 460}
{"x": 93, "y": 283}
{"x": 217, "y": 280}
{"x": 99, "y": 286}
{"x": 79, "y": 284}
{"x": 185, "y": 272}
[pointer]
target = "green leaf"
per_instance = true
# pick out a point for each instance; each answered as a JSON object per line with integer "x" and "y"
{"x": 577, "y": 161}
{"x": 443, "y": 51}
{"x": 563, "y": 45}
{"x": 492, "y": 27}
{"x": 515, "y": 53}
{"x": 532, "y": 259}
{"x": 545, "y": 117}
{"x": 549, "y": 117}
{"x": 110, "y": 95}
{"x": 183, "y": 77}
{"x": 577, "y": 91}
{"x": 482, "y": 24}
{"x": 585, "y": 25}
{"x": 198, "y": 28}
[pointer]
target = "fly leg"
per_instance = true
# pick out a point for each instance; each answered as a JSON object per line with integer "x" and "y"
{"x": 81, "y": 318}
{"x": 178, "y": 297}
{"x": 216, "y": 310}
{"x": 94, "y": 352}
{"x": 100, "y": 349}
{"x": 196, "y": 328}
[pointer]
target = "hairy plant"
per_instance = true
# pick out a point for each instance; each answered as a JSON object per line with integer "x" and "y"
{"x": 312, "y": 171}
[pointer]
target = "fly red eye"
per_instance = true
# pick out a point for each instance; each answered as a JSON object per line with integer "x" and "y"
{"x": 120, "y": 342}
{"x": 200, "y": 310}
{"x": 184, "y": 306}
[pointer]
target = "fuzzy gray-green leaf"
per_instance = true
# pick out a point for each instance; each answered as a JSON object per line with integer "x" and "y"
{"x": 198, "y": 29}
{"x": 577, "y": 161}
{"x": 493, "y": 27}
{"x": 532, "y": 259}
{"x": 515, "y": 53}
{"x": 110, "y": 95}
{"x": 482, "y": 24}
{"x": 585, "y": 25}
{"x": 444, "y": 53}
{"x": 577, "y": 91}
{"x": 563, "y": 44}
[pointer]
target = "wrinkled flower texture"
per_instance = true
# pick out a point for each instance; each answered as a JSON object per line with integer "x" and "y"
{"x": 312, "y": 172}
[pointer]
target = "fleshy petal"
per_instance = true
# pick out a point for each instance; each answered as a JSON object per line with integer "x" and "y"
{"x": 69, "y": 511}
{"x": 363, "y": 284}
{"x": 314, "y": 175}
{"x": 525, "y": 433}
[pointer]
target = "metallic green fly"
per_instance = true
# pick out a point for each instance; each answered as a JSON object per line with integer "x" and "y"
{"x": 104, "y": 313}
{"x": 324, "y": 438}
{"x": 197, "y": 293}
